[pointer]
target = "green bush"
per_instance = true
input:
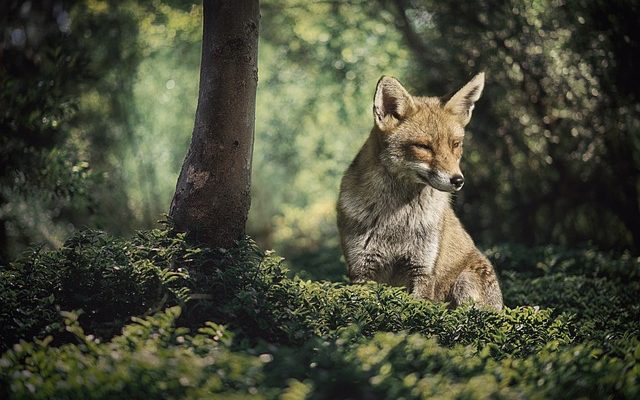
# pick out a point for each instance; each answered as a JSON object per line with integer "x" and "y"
{"x": 154, "y": 358}
{"x": 277, "y": 334}
{"x": 150, "y": 358}
{"x": 597, "y": 289}
{"x": 109, "y": 279}
{"x": 112, "y": 280}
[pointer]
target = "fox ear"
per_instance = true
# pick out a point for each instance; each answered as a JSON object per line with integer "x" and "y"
{"x": 391, "y": 103}
{"x": 462, "y": 103}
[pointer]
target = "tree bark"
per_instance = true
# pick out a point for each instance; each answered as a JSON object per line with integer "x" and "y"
{"x": 212, "y": 199}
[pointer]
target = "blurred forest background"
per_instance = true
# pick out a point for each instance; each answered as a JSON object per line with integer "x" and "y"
{"x": 97, "y": 102}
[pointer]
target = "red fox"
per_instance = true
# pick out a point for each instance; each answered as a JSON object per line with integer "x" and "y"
{"x": 394, "y": 214}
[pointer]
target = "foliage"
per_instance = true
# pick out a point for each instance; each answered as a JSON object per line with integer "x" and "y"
{"x": 560, "y": 118}
{"x": 150, "y": 358}
{"x": 153, "y": 357}
{"x": 552, "y": 152}
{"x": 551, "y": 155}
{"x": 596, "y": 288}
{"x": 59, "y": 122}
{"x": 287, "y": 336}
{"x": 96, "y": 108}
{"x": 109, "y": 279}
{"x": 313, "y": 111}
{"x": 79, "y": 146}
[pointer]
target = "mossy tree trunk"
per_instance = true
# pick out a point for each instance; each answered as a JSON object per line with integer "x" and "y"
{"x": 212, "y": 200}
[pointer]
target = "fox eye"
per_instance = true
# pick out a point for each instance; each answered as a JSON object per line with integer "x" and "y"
{"x": 424, "y": 146}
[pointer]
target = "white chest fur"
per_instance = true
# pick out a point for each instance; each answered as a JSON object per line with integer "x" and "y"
{"x": 398, "y": 229}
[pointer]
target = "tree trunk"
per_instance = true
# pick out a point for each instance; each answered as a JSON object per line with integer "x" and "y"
{"x": 212, "y": 200}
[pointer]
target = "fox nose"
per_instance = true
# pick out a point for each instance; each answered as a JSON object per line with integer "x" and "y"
{"x": 457, "y": 181}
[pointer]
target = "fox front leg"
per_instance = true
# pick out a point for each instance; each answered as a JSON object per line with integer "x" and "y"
{"x": 422, "y": 285}
{"x": 365, "y": 267}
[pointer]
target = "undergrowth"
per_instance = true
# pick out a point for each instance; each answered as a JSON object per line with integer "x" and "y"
{"x": 106, "y": 317}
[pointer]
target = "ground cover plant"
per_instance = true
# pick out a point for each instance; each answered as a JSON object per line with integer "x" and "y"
{"x": 153, "y": 316}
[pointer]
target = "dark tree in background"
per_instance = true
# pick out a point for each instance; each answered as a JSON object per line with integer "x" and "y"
{"x": 555, "y": 153}
{"x": 211, "y": 202}
{"x": 50, "y": 150}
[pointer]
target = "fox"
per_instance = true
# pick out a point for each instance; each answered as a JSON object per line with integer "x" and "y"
{"x": 394, "y": 214}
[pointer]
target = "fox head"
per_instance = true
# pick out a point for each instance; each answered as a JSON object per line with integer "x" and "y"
{"x": 420, "y": 137}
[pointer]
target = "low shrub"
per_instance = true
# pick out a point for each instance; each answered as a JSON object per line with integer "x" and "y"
{"x": 146, "y": 303}
{"x": 155, "y": 358}
{"x": 598, "y": 290}
{"x": 151, "y": 358}
{"x": 111, "y": 280}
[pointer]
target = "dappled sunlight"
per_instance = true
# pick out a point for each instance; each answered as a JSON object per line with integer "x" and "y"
{"x": 555, "y": 123}
{"x": 104, "y": 295}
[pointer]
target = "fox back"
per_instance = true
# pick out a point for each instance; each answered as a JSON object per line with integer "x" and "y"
{"x": 394, "y": 215}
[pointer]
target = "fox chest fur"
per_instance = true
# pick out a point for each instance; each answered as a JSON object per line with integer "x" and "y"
{"x": 395, "y": 221}
{"x": 393, "y": 231}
